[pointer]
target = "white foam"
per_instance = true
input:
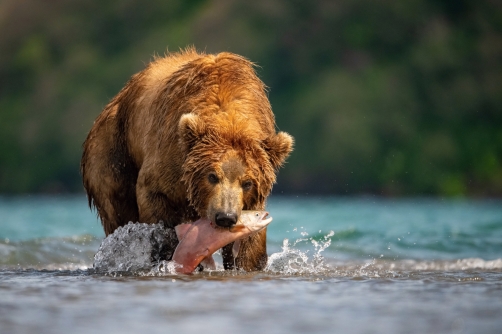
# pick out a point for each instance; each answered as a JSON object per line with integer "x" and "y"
{"x": 294, "y": 261}
{"x": 452, "y": 265}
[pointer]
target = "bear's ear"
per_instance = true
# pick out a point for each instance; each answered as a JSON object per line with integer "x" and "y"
{"x": 278, "y": 148}
{"x": 191, "y": 128}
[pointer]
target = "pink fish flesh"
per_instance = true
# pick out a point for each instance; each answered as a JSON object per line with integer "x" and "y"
{"x": 200, "y": 239}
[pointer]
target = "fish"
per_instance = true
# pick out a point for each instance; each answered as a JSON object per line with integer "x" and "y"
{"x": 200, "y": 239}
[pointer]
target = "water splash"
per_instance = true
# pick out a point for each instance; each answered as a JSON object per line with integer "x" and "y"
{"x": 294, "y": 261}
{"x": 163, "y": 268}
{"x": 144, "y": 249}
{"x": 135, "y": 247}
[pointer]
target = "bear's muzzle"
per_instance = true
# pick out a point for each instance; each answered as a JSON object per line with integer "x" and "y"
{"x": 223, "y": 219}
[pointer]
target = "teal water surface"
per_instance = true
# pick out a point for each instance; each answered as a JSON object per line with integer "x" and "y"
{"x": 357, "y": 265}
{"x": 367, "y": 228}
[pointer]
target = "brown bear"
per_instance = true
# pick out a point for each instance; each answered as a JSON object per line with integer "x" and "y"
{"x": 192, "y": 135}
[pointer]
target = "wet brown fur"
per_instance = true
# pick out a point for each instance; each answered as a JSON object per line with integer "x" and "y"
{"x": 149, "y": 153}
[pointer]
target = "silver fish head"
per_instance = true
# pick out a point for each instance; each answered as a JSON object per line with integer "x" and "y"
{"x": 254, "y": 219}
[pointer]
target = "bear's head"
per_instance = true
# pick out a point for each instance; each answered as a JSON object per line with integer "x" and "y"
{"x": 227, "y": 171}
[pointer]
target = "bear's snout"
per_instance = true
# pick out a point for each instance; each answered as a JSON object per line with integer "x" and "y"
{"x": 223, "y": 219}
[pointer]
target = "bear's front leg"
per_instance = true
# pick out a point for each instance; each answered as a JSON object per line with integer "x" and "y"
{"x": 154, "y": 205}
{"x": 252, "y": 254}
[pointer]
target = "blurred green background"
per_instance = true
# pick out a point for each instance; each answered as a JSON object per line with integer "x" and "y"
{"x": 386, "y": 97}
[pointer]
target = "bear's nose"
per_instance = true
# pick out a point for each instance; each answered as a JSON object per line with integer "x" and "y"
{"x": 223, "y": 219}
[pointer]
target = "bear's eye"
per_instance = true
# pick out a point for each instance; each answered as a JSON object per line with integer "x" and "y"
{"x": 246, "y": 185}
{"x": 212, "y": 178}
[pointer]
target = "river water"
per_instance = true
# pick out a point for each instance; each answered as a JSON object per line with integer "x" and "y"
{"x": 346, "y": 265}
